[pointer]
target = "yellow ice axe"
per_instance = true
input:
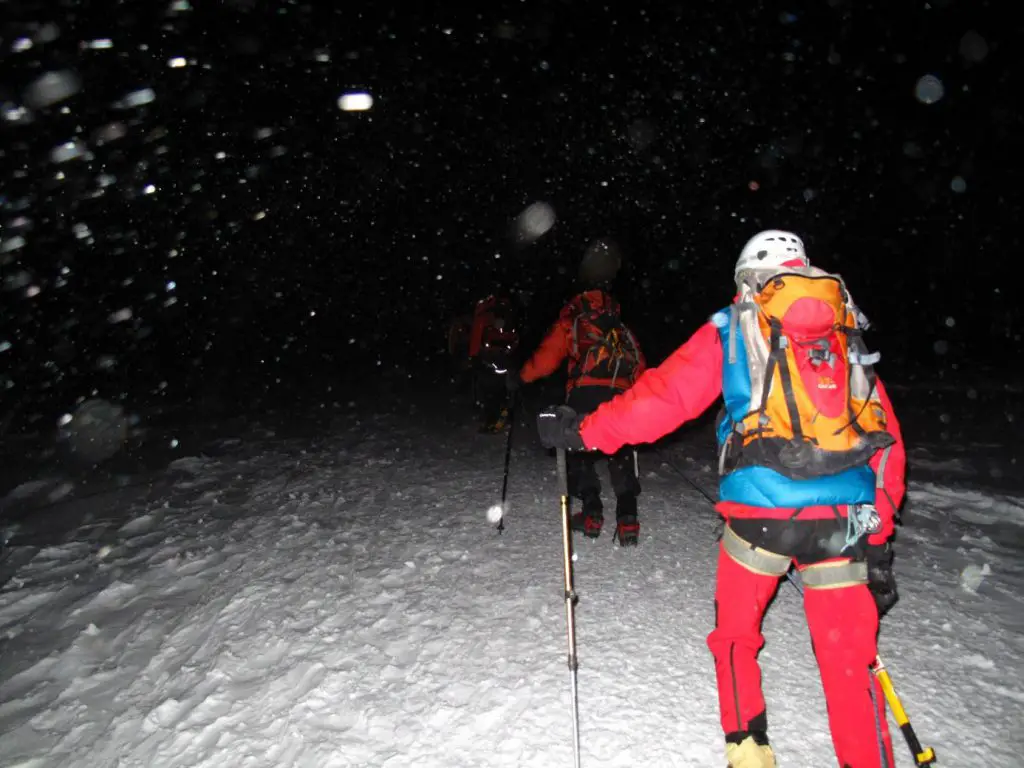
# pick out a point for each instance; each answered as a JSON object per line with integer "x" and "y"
{"x": 922, "y": 755}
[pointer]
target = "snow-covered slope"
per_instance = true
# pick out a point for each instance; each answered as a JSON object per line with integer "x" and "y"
{"x": 341, "y": 600}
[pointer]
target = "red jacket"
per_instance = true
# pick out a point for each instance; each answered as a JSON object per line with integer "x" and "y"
{"x": 682, "y": 388}
{"x": 483, "y": 316}
{"x": 557, "y": 347}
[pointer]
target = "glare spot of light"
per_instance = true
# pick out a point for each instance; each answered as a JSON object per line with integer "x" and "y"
{"x": 357, "y": 101}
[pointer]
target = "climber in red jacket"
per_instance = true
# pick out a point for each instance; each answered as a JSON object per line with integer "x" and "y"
{"x": 603, "y": 359}
{"x": 812, "y": 468}
{"x": 493, "y": 349}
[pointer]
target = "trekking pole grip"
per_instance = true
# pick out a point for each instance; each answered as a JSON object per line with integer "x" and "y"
{"x": 563, "y": 481}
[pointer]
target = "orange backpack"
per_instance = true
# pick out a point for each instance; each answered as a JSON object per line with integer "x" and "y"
{"x": 814, "y": 409}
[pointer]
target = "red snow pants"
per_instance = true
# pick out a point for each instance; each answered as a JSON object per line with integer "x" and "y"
{"x": 843, "y": 623}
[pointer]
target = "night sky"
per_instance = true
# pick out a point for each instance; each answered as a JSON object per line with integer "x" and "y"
{"x": 186, "y": 209}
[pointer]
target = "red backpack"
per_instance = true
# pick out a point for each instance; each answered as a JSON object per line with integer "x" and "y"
{"x": 603, "y": 348}
{"x": 500, "y": 336}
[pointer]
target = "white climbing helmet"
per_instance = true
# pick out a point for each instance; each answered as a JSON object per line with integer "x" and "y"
{"x": 772, "y": 248}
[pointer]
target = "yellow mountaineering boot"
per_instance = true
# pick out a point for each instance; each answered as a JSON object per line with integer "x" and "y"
{"x": 498, "y": 425}
{"x": 749, "y": 754}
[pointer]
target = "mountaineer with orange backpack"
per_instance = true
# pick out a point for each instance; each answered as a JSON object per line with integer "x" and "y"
{"x": 604, "y": 359}
{"x": 812, "y": 473}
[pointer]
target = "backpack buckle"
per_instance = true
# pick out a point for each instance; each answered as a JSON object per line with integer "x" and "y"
{"x": 820, "y": 353}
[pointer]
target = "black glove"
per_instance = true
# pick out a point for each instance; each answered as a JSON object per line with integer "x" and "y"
{"x": 881, "y": 580}
{"x": 559, "y": 427}
{"x": 513, "y": 382}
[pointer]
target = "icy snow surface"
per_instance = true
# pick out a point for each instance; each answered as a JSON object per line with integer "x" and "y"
{"x": 341, "y": 600}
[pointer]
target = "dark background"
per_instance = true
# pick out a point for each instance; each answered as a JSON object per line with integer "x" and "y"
{"x": 323, "y": 247}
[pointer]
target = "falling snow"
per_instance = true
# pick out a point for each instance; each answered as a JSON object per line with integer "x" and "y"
{"x": 262, "y": 210}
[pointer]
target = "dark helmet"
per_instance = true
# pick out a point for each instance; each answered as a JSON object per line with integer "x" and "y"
{"x": 600, "y": 263}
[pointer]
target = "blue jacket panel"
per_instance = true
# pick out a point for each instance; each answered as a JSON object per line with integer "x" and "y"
{"x": 764, "y": 487}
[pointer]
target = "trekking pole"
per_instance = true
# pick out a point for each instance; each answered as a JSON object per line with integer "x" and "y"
{"x": 508, "y": 457}
{"x": 570, "y": 602}
{"x": 692, "y": 484}
{"x": 922, "y": 755}
{"x": 720, "y": 525}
